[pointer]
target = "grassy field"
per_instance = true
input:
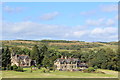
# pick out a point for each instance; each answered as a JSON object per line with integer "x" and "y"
{"x": 0, "y": 75}
{"x": 58, "y": 74}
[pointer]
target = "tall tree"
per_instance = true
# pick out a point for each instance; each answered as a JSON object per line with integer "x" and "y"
{"x": 6, "y": 57}
{"x": 34, "y": 52}
{"x": 47, "y": 62}
{"x": 42, "y": 52}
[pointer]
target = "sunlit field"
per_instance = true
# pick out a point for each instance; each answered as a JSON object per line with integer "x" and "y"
{"x": 59, "y": 74}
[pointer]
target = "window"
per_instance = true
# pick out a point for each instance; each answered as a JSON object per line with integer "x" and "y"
{"x": 65, "y": 66}
{"x": 72, "y": 66}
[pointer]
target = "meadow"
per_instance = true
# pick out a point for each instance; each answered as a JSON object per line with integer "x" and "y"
{"x": 58, "y": 74}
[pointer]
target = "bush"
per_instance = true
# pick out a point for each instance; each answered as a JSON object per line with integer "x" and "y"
{"x": 47, "y": 71}
{"x": 3, "y": 68}
{"x": 33, "y": 67}
{"x": 52, "y": 68}
{"x": 90, "y": 69}
{"x": 39, "y": 66}
{"x": 56, "y": 70}
{"x": 44, "y": 70}
{"x": 11, "y": 67}
{"x": 8, "y": 67}
{"x": 20, "y": 69}
{"x": 15, "y": 67}
{"x": 95, "y": 67}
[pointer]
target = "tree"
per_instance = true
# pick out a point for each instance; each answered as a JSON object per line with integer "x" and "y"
{"x": 47, "y": 62}
{"x": 6, "y": 57}
{"x": 42, "y": 53}
{"x": 38, "y": 54}
{"x": 34, "y": 52}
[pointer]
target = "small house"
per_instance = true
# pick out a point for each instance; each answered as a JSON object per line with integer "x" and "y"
{"x": 21, "y": 60}
{"x": 71, "y": 64}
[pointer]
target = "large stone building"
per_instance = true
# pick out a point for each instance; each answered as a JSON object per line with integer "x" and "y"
{"x": 20, "y": 60}
{"x": 71, "y": 64}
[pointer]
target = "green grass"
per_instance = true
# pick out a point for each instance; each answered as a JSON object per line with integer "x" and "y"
{"x": 58, "y": 74}
{"x": 0, "y": 75}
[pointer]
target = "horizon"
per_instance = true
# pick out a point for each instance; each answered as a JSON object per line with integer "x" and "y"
{"x": 55, "y": 40}
{"x": 82, "y": 21}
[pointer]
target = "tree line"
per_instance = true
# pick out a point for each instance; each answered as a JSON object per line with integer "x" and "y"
{"x": 45, "y": 57}
{"x": 59, "y": 41}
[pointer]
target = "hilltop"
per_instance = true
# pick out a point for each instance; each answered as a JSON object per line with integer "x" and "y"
{"x": 61, "y": 45}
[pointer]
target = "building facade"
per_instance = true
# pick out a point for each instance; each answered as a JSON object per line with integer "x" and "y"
{"x": 71, "y": 64}
{"x": 20, "y": 60}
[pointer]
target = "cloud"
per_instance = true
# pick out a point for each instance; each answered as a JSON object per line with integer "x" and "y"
{"x": 104, "y": 30}
{"x": 101, "y": 22}
{"x": 12, "y": 9}
{"x": 79, "y": 33}
{"x": 110, "y": 22}
{"x": 33, "y": 30}
{"x": 29, "y": 28}
{"x": 49, "y": 16}
{"x": 108, "y": 32}
{"x": 88, "y": 13}
{"x": 95, "y": 22}
{"x": 109, "y": 8}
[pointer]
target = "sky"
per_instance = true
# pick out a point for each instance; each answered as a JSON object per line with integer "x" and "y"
{"x": 83, "y": 21}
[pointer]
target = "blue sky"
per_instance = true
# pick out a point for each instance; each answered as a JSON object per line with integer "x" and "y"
{"x": 83, "y": 21}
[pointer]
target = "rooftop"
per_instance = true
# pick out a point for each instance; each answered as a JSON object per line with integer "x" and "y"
{"x": 68, "y": 60}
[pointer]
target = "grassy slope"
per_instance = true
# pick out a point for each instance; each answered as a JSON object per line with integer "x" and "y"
{"x": 58, "y": 74}
{"x": 30, "y": 44}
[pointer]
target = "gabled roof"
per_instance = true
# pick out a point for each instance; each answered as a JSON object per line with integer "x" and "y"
{"x": 68, "y": 60}
{"x": 23, "y": 57}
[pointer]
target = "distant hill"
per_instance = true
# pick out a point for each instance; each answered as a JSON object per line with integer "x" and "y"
{"x": 60, "y": 44}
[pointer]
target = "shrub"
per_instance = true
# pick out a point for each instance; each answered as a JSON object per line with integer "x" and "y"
{"x": 33, "y": 68}
{"x": 56, "y": 70}
{"x": 52, "y": 68}
{"x": 47, "y": 70}
{"x": 44, "y": 70}
{"x": 8, "y": 67}
{"x": 15, "y": 67}
{"x": 90, "y": 69}
{"x": 95, "y": 67}
{"x": 3, "y": 68}
{"x": 11, "y": 67}
{"x": 39, "y": 66}
{"x": 20, "y": 69}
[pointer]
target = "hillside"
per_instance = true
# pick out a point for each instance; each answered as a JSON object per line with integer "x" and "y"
{"x": 60, "y": 45}
{"x": 103, "y": 55}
